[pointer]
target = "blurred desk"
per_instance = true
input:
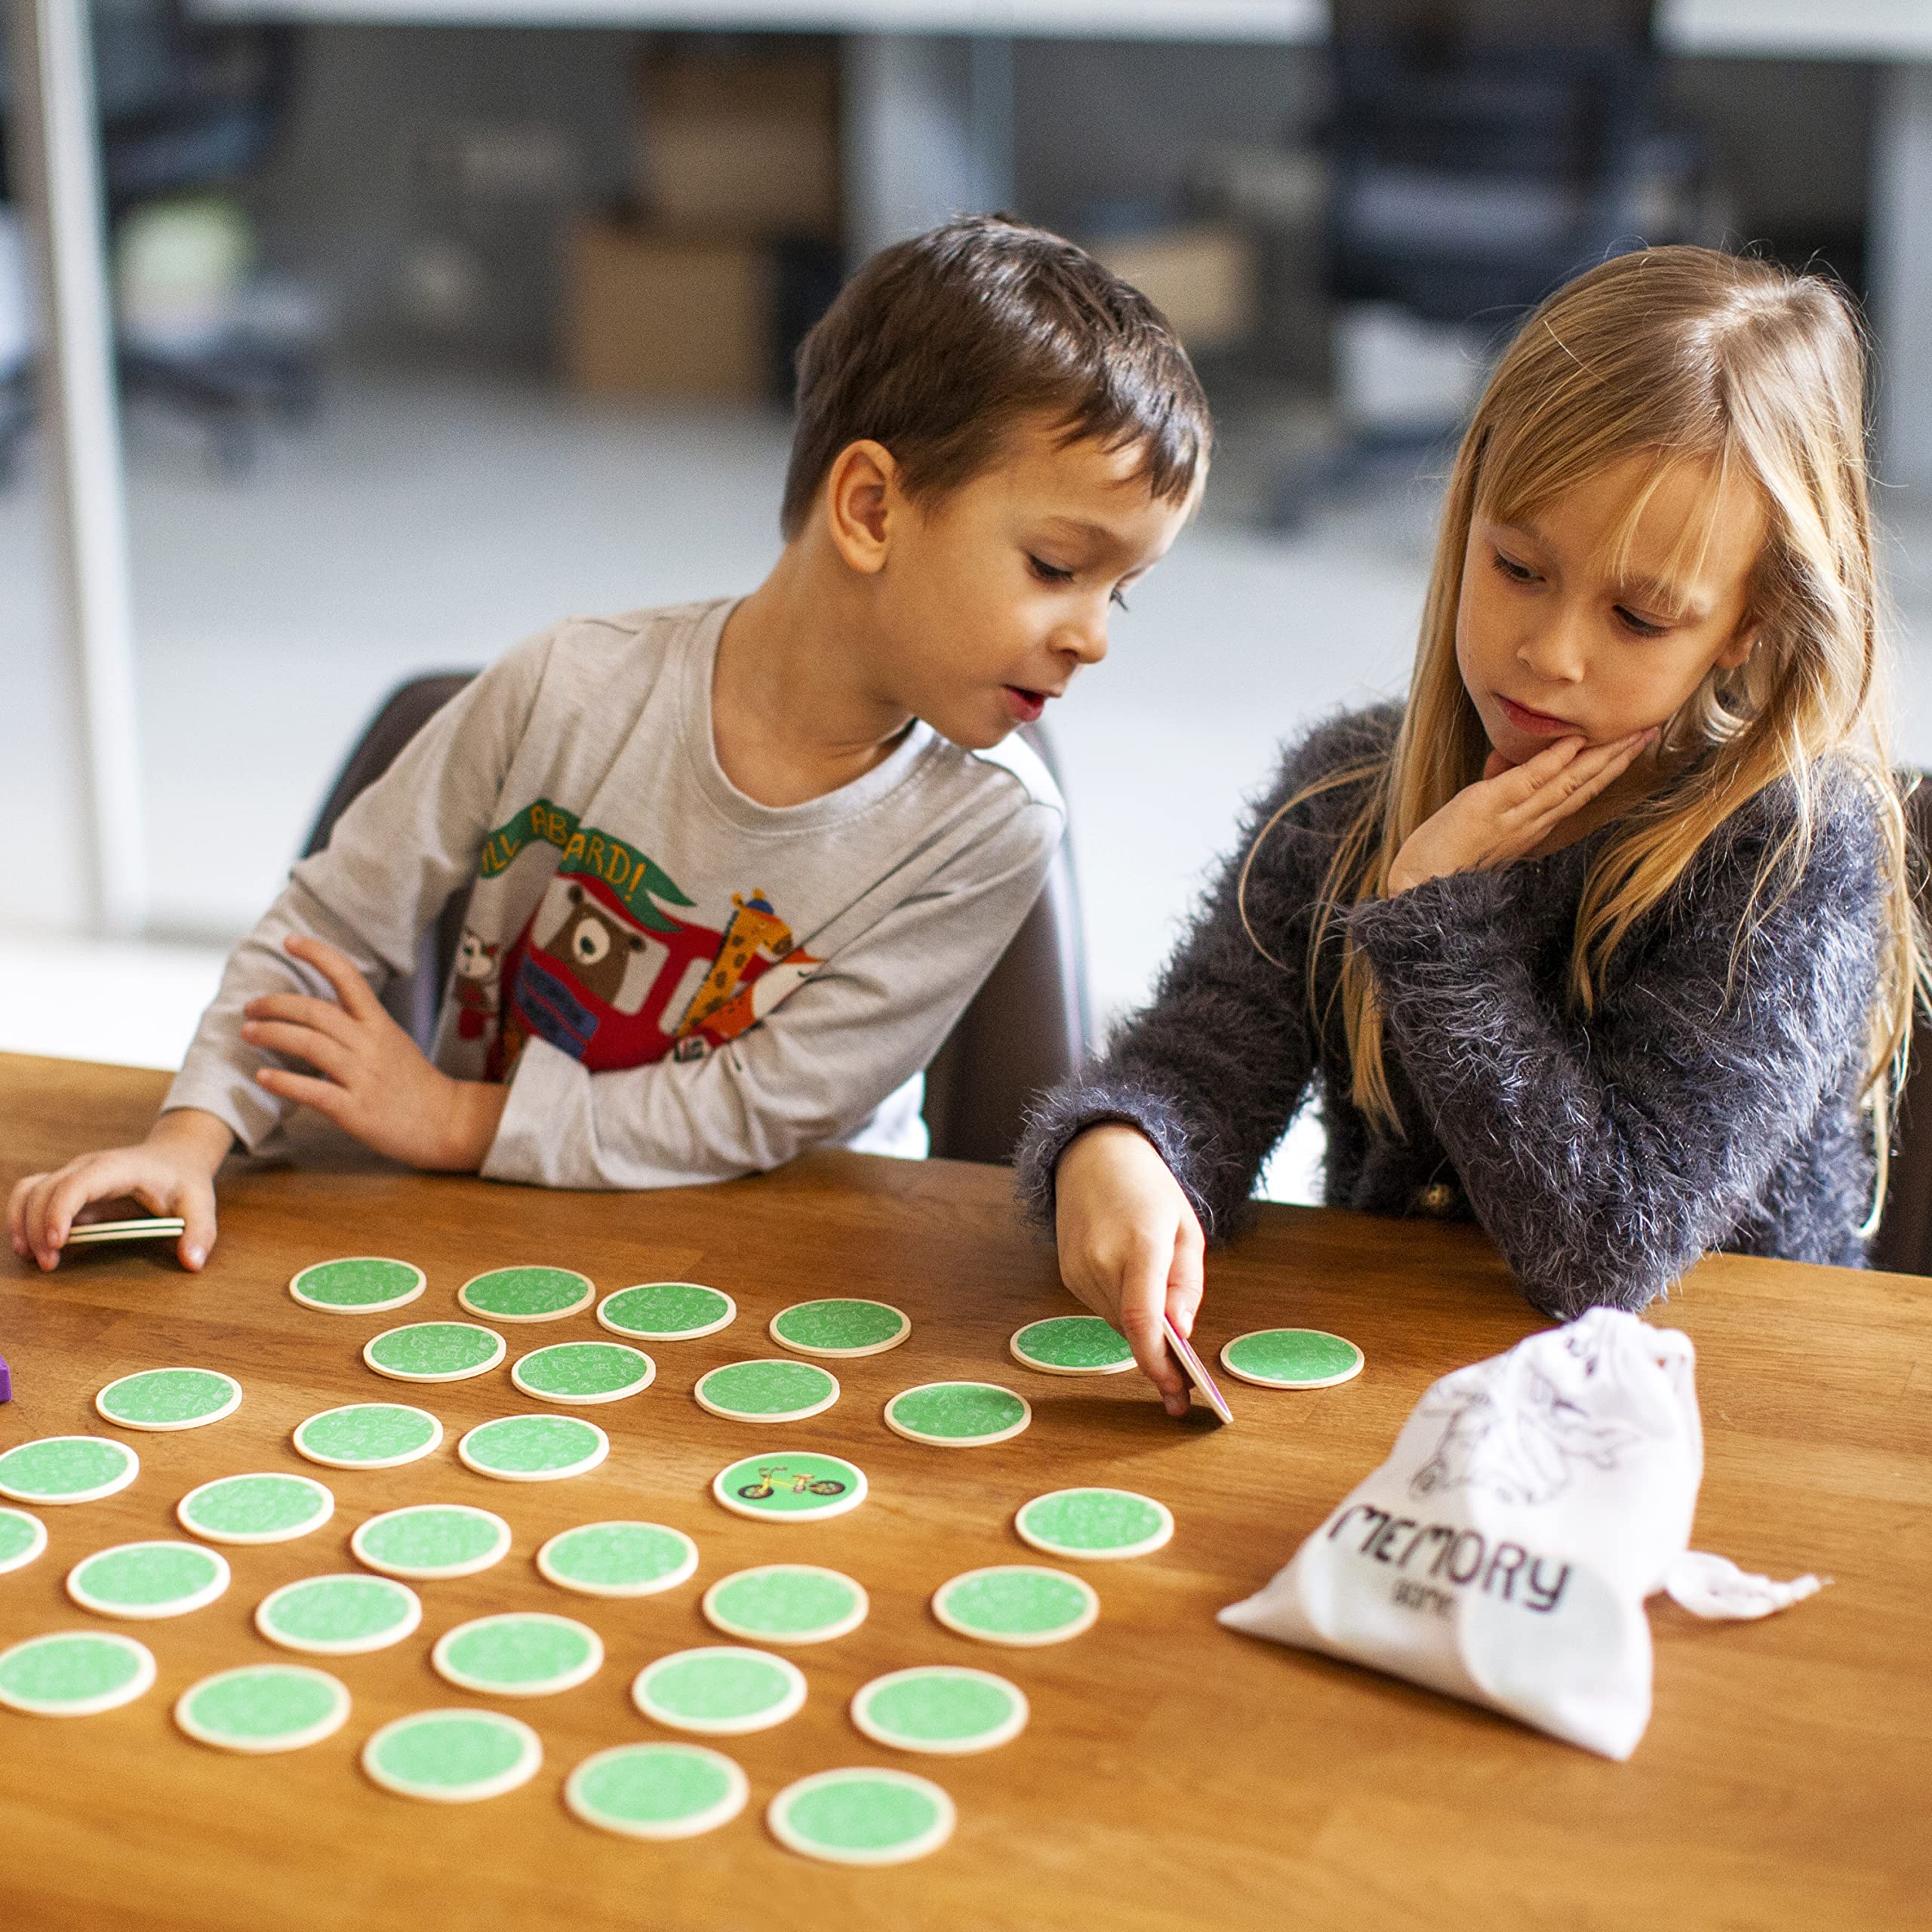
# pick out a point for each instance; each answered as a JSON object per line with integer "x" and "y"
{"x": 1255, "y": 20}
{"x": 929, "y": 92}
{"x": 928, "y": 83}
{"x": 1799, "y": 30}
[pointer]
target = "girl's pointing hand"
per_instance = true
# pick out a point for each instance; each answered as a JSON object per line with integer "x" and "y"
{"x": 1130, "y": 1246}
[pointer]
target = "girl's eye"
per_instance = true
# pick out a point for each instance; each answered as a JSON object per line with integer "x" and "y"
{"x": 1515, "y": 572}
{"x": 1048, "y": 572}
{"x": 1639, "y": 627}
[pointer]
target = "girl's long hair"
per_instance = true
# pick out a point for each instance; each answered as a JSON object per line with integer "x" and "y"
{"x": 1678, "y": 355}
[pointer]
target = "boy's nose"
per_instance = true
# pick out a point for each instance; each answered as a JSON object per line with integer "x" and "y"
{"x": 1086, "y": 642}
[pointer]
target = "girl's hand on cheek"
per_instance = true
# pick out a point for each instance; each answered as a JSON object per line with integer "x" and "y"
{"x": 1512, "y": 809}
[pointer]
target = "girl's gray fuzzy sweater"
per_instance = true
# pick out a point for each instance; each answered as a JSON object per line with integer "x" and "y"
{"x": 1694, "y": 1109}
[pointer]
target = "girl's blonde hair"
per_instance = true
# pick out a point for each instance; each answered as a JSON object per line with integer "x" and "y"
{"x": 1678, "y": 355}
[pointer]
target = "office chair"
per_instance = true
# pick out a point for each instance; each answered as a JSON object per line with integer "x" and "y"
{"x": 1026, "y": 1029}
{"x": 185, "y": 106}
{"x": 1481, "y": 152}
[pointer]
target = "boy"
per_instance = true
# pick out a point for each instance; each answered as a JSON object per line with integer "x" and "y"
{"x": 734, "y": 869}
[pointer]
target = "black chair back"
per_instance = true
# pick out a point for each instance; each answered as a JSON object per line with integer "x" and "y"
{"x": 1025, "y": 1030}
{"x": 414, "y": 1001}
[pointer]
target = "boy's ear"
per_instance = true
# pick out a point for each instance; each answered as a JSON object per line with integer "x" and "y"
{"x": 861, "y": 497}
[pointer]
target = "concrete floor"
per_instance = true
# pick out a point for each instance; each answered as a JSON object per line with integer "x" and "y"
{"x": 426, "y": 522}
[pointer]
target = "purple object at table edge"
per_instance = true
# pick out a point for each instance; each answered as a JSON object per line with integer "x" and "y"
{"x": 6, "y": 1381}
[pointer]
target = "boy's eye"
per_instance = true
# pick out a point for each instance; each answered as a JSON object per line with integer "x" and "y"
{"x": 1515, "y": 572}
{"x": 1114, "y": 598}
{"x": 1048, "y": 572}
{"x": 1639, "y": 627}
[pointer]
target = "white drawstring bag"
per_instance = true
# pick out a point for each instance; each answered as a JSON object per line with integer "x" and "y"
{"x": 1503, "y": 1552}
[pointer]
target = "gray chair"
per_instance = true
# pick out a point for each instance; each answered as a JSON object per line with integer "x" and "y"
{"x": 1026, "y": 1029}
{"x": 1903, "y": 1243}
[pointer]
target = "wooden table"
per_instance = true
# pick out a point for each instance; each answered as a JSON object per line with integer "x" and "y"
{"x": 1173, "y": 1775}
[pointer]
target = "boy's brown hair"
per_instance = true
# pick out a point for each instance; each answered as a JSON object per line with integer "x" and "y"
{"x": 939, "y": 345}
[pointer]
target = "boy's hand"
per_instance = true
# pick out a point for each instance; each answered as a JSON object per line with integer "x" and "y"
{"x": 1512, "y": 809}
{"x": 171, "y": 1172}
{"x": 370, "y": 1078}
{"x": 1130, "y": 1246}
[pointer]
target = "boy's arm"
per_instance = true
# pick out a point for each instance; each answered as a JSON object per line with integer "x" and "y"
{"x": 171, "y": 1172}
{"x": 366, "y": 1073}
{"x": 399, "y": 852}
{"x": 858, "y": 1029}
{"x": 403, "y": 846}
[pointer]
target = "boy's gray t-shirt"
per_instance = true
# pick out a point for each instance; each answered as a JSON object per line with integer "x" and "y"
{"x": 679, "y": 983}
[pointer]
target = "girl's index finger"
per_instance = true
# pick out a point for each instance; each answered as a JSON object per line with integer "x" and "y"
{"x": 336, "y": 967}
{"x": 1578, "y": 751}
{"x": 1604, "y": 766}
{"x": 1522, "y": 782}
{"x": 1579, "y": 778}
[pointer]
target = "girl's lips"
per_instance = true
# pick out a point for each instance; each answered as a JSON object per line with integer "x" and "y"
{"x": 1538, "y": 723}
{"x": 1025, "y": 705}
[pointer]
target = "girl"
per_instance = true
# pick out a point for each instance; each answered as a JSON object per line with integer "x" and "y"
{"x": 1603, "y": 939}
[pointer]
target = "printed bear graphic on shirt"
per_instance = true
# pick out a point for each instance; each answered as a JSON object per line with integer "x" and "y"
{"x": 599, "y": 946}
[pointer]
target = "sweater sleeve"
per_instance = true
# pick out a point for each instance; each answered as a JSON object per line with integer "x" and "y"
{"x": 404, "y": 845}
{"x": 815, "y": 1069}
{"x": 1604, "y": 1156}
{"x": 1213, "y": 1070}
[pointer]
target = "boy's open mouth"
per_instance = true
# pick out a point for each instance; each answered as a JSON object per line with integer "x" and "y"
{"x": 1026, "y": 705}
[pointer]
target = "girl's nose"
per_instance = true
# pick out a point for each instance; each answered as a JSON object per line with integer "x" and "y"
{"x": 1554, "y": 650}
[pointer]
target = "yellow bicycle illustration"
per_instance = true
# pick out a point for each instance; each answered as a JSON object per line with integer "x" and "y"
{"x": 775, "y": 1476}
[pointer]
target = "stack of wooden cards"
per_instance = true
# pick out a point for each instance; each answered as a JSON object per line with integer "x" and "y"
{"x": 1197, "y": 1371}
{"x": 151, "y": 1227}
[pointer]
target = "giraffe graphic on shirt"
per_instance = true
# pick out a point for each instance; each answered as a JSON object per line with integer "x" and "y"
{"x": 755, "y": 928}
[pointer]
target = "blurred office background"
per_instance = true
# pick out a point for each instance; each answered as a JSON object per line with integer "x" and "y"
{"x": 436, "y": 319}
